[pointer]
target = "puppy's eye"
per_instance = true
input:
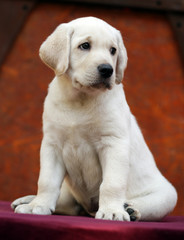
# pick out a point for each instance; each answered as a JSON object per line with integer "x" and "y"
{"x": 113, "y": 51}
{"x": 85, "y": 46}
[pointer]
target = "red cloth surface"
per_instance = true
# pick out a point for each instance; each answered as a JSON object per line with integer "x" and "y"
{"x": 25, "y": 226}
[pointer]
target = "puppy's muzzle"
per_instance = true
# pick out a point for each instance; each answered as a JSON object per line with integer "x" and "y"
{"x": 105, "y": 70}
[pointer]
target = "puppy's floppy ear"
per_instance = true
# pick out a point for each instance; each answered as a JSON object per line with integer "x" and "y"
{"x": 122, "y": 59}
{"x": 55, "y": 50}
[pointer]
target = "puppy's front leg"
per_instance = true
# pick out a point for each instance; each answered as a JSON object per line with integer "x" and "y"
{"x": 115, "y": 168}
{"x": 52, "y": 172}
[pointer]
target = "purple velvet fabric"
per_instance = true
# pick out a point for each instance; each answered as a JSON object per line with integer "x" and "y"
{"x": 25, "y": 226}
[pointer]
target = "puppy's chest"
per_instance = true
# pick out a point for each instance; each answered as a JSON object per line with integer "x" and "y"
{"x": 77, "y": 133}
{"x": 81, "y": 160}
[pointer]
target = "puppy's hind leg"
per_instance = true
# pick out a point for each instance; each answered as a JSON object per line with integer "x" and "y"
{"x": 157, "y": 204}
{"x": 66, "y": 203}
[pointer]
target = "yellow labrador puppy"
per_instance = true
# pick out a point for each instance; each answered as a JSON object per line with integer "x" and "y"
{"x": 93, "y": 153}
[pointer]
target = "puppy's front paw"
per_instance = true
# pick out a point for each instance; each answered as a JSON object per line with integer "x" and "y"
{"x": 22, "y": 200}
{"x": 117, "y": 215}
{"x": 33, "y": 209}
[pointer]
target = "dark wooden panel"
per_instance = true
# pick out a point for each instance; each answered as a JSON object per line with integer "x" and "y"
{"x": 172, "y": 5}
{"x": 177, "y": 21}
{"x": 12, "y": 17}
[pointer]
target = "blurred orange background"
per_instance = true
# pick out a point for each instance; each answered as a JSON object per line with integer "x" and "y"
{"x": 153, "y": 82}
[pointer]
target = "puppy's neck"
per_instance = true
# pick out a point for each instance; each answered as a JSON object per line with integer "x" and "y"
{"x": 63, "y": 91}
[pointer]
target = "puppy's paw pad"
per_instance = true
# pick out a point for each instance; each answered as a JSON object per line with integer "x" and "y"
{"x": 133, "y": 213}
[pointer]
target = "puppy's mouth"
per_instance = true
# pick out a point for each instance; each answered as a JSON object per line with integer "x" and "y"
{"x": 102, "y": 84}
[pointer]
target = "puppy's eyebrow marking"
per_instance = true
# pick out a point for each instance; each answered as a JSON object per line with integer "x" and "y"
{"x": 83, "y": 39}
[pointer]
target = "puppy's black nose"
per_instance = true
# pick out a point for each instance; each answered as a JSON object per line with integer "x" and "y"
{"x": 105, "y": 70}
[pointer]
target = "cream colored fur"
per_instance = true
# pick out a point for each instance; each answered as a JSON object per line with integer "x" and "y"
{"x": 93, "y": 153}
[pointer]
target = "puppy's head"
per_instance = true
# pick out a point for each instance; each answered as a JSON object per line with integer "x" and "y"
{"x": 89, "y": 51}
